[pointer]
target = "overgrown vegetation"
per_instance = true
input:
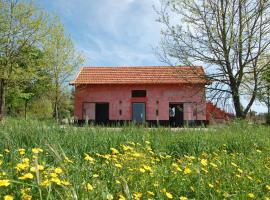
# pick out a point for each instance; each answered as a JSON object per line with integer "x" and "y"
{"x": 37, "y": 60}
{"x": 45, "y": 160}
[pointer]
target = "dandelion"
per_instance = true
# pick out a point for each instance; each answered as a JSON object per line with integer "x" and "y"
{"x": 187, "y": 171}
{"x": 210, "y": 185}
{"x": 121, "y": 197}
{"x": 114, "y": 151}
{"x": 169, "y": 195}
{"x": 4, "y": 183}
{"x": 88, "y": 158}
{"x": 142, "y": 170}
{"x": 238, "y": 175}
{"x": 150, "y": 193}
{"x": 8, "y": 197}
{"x": 183, "y": 198}
{"x": 233, "y": 164}
{"x": 95, "y": 175}
{"x": 251, "y": 195}
{"x": 268, "y": 187}
{"x": 226, "y": 195}
{"x": 53, "y": 175}
{"x": 89, "y": 187}
{"x": 213, "y": 165}
{"x": 37, "y": 150}
{"x": 21, "y": 151}
{"x": 109, "y": 197}
{"x": 118, "y": 165}
{"x": 147, "y": 168}
{"x": 204, "y": 162}
{"x": 56, "y": 180}
{"x": 26, "y": 176}
{"x": 7, "y": 150}
{"x": 67, "y": 160}
{"x": 58, "y": 170}
{"x": 66, "y": 183}
{"x": 137, "y": 195}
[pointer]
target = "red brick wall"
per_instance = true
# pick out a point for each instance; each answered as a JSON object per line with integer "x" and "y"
{"x": 191, "y": 96}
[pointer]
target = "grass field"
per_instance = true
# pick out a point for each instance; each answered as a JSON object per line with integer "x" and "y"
{"x": 42, "y": 160}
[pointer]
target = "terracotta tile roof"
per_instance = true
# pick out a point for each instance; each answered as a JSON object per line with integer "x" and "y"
{"x": 140, "y": 75}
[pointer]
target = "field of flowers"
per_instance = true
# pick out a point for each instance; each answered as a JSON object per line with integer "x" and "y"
{"x": 41, "y": 160}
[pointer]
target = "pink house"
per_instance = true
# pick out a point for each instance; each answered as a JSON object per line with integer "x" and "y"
{"x": 155, "y": 95}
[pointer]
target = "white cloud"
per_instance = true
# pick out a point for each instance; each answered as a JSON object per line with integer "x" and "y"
{"x": 111, "y": 31}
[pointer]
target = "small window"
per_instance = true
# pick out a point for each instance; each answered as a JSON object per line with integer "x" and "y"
{"x": 138, "y": 93}
{"x": 120, "y": 112}
{"x": 156, "y": 112}
{"x": 120, "y": 102}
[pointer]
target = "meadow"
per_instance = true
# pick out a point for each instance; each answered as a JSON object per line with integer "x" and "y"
{"x": 43, "y": 160}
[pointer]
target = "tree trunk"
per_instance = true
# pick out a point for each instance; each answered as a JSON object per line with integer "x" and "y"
{"x": 238, "y": 107}
{"x": 55, "y": 111}
{"x": 2, "y": 98}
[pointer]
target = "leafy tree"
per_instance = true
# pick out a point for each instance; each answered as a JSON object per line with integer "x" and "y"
{"x": 22, "y": 26}
{"x": 62, "y": 61}
{"x": 228, "y": 36}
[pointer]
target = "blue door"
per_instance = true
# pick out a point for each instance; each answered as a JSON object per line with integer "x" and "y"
{"x": 138, "y": 112}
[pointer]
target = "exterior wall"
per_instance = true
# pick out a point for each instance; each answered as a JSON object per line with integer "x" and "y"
{"x": 157, "y": 97}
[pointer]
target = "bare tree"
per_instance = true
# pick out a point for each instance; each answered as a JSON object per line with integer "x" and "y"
{"x": 229, "y": 37}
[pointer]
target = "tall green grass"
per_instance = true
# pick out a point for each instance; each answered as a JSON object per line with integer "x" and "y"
{"x": 240, "y": 150}
{"x": 238, "y": 136}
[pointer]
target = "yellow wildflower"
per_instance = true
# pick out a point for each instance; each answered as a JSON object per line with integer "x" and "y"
{"x": 147, "y": 168}
{"x": 58, "y": 170}
{"x": 204, "y": 162}
{"x": 89, "y": 187}
{"x": 169, "y": 195}
{"x": 37, "y": 168}
{"x": 21, "y": 151}
{"x": 137, "y": 195}
{"x": 213, "y": 165}
{"x": 109, "y": 197}
{"x": 56, "y": 180}
{"x": 26, "y": 176}
{"x": 45, "y": 183}
{"x": 233, "y": 164}
{"x": 66, "y": 183}
{"x": 118, "y": 165}
{"x": 210, "y": 185}
{"x": 88, "y": 158}
{"x": 95, "y": 175}
{"x": 67, "y": 160}
{"x": 53, "y": 175}
{"x": 121, "y": 197}
{"x": 187, "y": 171}
{"x": 36, "y": 150}
{"x": 114, "y": 151}
{"x": 142, "y": 170}
{"x": 251, "y": 195}
{"x": 147, "y": 142}
{"x": 150, "y": 193}
{"x": 268, "y": 187}
{"x": 26, "y": 196}
{"x": 183, "y": 198}
{"x": 8, "y": 197}
{"x": 7, "y": 150}
{"x": 4, "y": 183}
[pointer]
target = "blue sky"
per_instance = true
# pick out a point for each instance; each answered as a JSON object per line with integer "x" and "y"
{"x": 110, "y": 32}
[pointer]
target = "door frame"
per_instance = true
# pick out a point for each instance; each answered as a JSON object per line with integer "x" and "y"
{"x": 180, "y": 123}
{"x": 144, "y": 110}
{"x": 108, "y": 111}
